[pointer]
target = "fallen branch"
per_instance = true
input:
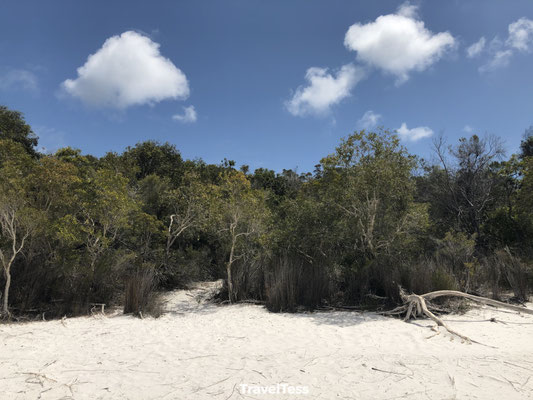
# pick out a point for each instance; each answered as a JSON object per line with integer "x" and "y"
{"x": 416, "y": 305}
{"x": 95, "y": 305}
{"x": 483, "y": 300}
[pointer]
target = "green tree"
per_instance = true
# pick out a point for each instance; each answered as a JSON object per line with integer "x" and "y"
{"x": 241, "y": 215}
{"x": 189, "y": 207}
{"x": 368, "y": 179}
{"x": 19, "y": 219}
{"x": 151, "y": 157}
{"x": 13, "y": 126}
{"x": 104, "y": 212}
{"x": 526, "y": 146}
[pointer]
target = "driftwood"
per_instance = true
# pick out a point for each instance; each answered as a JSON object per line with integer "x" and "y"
{"x": 418, "y": 305}
{"x": 95, "y": 306}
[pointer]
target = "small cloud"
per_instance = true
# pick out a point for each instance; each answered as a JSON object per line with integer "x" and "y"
{"x": 468, "y": 129}
{"x": 476, "y": 49}
{"x": 369, "y": 120}
{"x": 519, "y": 39}
{"x": 127, "y": 70}
{"x": 324, "y": 90}
{"x": 188, "y": 116}
{"x": 521, "y": 34}
{"x": 11, "y": 79}
{"x": 398, "y": 43}
{"x": 414, "y": 134}
{"x": 499, "y": 59}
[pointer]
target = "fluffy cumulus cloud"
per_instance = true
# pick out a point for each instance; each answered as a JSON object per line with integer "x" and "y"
{"x": 323, "y": 90}
{"x": 414, "y": 134}
{"x": 398, "y": 43}
{"x": 369, "y": 120}
{"x": 127, "y": 70}
{"x": 18, "y": 79}
{"x": 188, "y": 116}
{"x": 475, "y": 49}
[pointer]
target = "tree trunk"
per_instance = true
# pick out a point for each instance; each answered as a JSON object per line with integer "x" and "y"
{"x": 229, "y": 272}
{"x": 92, "y": 287}
{"x": 167, "y": 252}
{"x": 5, "y": 306}
{"x": 230, "y": 283}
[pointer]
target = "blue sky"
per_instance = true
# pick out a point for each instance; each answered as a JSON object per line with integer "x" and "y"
{"x": 271, "y": 84}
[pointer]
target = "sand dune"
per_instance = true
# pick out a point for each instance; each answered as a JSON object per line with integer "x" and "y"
{"x": 203, "y": 351}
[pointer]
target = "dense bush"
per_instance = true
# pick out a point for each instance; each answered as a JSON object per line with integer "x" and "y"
{"x": 77, "y": 229}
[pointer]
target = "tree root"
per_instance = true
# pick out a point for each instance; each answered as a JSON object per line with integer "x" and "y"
{"x": 417, "y": 305}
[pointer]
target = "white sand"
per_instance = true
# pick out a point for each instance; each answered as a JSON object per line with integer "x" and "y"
{"x": 201, "y": 351}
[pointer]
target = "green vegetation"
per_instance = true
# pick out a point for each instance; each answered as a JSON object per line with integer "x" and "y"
{"x": 77, "y": 230}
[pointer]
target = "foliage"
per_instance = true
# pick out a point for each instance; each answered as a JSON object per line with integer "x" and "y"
{"x": 240, "y": 215}
{"x": 78, "y": 229}
{"x": 13, "y": 127}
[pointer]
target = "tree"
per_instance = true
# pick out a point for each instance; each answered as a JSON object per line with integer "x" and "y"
{"x": 18, "y": 219}
{"x": 151, "y": 157}
{"x": 525, "y": 201}
{"x": 13, "y": 126}
{"x": 469, "y": 182}
{"x": 368, "y": 179}
{"x": 241, "y": 214}
{"x": 189, "y": 207}
{"x": 104, "y": 211}
{"x": 526, "y": 146}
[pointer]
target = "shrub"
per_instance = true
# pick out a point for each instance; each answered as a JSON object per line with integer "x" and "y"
{"x": 514, "y": 271}
{"x": 141, "y": 297}
{"x": 292, "y": 281}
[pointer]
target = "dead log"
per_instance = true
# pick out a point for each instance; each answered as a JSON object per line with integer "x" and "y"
{"x": 482, "y": 300}
{"x": 416, "y": 305}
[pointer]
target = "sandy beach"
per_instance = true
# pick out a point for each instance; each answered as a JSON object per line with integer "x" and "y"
{"x": 204, "y": 351}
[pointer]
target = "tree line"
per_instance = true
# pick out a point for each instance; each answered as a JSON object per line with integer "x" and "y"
{"x": 78, "y": 230}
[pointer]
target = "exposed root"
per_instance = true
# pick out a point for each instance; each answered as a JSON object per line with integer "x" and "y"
{"x": 417, "y": 305}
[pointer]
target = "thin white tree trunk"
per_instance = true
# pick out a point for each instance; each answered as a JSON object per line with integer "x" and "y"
{"x": 5, "y": 305}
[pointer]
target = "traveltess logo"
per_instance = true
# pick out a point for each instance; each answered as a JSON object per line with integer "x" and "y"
{"x": 280, "y": 388}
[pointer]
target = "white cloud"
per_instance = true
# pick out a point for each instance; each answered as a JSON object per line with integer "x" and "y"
{"x": 520, "y": 38}
{"x": 408, "y": 10}
{"x": 476, "y": 49}
{"x": 398, "y": 43}
{"x": 521, "y": 34}
{"x": 468, "y": 129}
{"x": 18, "y": 79}
{"x": 323, "y": 90}
{"x": 414, "y": 134}
{"x": 127, "y": 70}
{"x": 369, "y": 120}
{"x": 500, "y": 59}
{"x": 188, "y": 116}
